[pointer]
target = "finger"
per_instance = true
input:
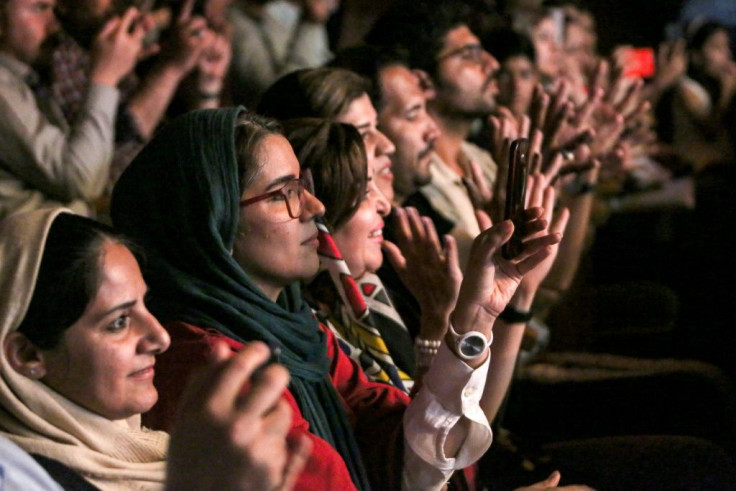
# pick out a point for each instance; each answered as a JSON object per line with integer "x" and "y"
{"x": 109, "y": 28}
{"x": 265, "y": 391}
{"x": 452, "y": 260}
{"x": 415, "y": 224}
{"x": 484, "y": 221}
{"x": 530, "y": 258}
{"x": 559, "y": 224}
{"x": 431, "y": 234}
{"x": 299, "y": 453}
{"x": 536, "y": 164}
{"x": 126, "y": 21}
{"x": 555, "y": 164}
{"x": 401, "y": 224}
{"x": 525, "y": 126}
{"x": 227, "y": 382}
{"x": 537, "y": 184}
{"x": 550, "y": 195}
{"x": 393, "y": 253}
{"x": 553, "y": 479}
{"x": 535, "y": 141}
{"x": 186, "y": 11}
{"x": 489, "y": 241}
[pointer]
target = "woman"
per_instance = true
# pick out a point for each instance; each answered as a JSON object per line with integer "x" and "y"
{"x": 218, "y": 202}
{"x": 79, "y": 353}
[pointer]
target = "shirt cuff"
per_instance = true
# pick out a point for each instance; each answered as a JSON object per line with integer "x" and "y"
{"x": 451, "y": 390}
{"x": 103, "y": 98}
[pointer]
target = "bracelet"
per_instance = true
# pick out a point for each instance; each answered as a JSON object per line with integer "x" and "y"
{"x": 513, "y": 316}
{"x": 425, "y": 351}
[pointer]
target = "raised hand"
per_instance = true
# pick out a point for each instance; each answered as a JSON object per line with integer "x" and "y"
{"x": 116, "y": 48}
{"x": 225, "y": 438}
{"x": 430, "y": 272}
{"x": 551, "y": 483}
{"x": 187, "y": 39}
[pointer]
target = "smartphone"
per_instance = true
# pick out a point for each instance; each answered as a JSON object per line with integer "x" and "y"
{"x": 516, "y": 194}
{"x": 640, "y": 62}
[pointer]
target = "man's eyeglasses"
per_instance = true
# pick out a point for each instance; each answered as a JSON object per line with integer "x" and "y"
{"x": 292, "y": 193}
{"x": 469, "y": 52}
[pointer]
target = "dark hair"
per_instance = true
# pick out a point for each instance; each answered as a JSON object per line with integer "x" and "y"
{"x": 68, "y": 277}
{"x": 698, "y": 34}
{"x": 250, "y": 130}
{"x": 368, "y": 61}
{"x": 506, "y": 43}
{"x": 335, "y": 154}
{"x": 312, "y": 93}
{"x": 419, "y": 27}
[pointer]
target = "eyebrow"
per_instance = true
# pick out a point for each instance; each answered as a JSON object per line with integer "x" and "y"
{"x": 281, "y": 181}
{"x": 122, "y": 306}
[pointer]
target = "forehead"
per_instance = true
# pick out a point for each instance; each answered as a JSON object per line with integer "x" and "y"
{"x": 457, "y": 38}
{"x": 275, "y": 159}
{"x": 400, "y": 88}
{"x": 359, "y": 112}
{"x": 517, "y": 62}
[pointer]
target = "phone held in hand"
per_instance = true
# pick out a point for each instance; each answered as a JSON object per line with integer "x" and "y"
{"x": 515, "y": 195}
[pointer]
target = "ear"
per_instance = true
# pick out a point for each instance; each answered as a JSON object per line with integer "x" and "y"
{"x": 24, "y": 356}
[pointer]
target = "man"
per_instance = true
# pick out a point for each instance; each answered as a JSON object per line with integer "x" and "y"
{"x": 46, "y": 161}
{"x": 462, "y": 75}
{"x": 144, "y": 101}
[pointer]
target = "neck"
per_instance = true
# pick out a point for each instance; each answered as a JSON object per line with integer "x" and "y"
{"x": 453, "y": 132}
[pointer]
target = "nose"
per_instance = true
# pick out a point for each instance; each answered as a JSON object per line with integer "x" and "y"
{"x": 384, "y": 146}
{"x": 312, "y": 208}
{"x": 490, "y": 63}
{"x": 155, "y": 339}
{"x": 52, "y": 24}
{"x": 383, "y": 207}
{"x": 431, "y": 132}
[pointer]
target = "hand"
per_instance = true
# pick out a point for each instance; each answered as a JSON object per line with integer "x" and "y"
{"x": 490, "y": 280}
{"x": 224, "y": 438}
{"x": 540, "y": 193}
{"x": 430, "y": 272}
{"x": 319, "y": 11}
{"x": 116, "y": 48}
{"x": 213, "y": 65}
{"x": 185, "y": 42}
{"x": 551, "y": 483}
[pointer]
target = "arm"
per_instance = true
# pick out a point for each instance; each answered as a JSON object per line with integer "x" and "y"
{"x": 70, "y": 165}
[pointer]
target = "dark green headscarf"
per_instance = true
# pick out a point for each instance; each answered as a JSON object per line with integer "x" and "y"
{"x": 180, "y": 200}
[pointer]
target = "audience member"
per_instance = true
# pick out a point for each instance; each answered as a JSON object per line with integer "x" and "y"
{"x": 79, "y": 348}
{"x": 45, "y": 159}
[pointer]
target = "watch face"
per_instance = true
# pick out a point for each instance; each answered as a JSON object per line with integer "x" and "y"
{"x": 473, "y": 346}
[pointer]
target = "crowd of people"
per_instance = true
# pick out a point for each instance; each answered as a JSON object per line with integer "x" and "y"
{"x": 269, "y": 244}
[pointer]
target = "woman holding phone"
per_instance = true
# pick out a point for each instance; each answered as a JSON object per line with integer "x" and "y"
{"x": 219, "y": 204}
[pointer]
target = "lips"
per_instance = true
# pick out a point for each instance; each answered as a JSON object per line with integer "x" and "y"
{"x": 377, "y": 233}
{"x": 144, "y": 373}
{"x": 313, "y": 240}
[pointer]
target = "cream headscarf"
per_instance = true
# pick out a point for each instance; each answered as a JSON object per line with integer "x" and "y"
{"x": 110, "y": 454}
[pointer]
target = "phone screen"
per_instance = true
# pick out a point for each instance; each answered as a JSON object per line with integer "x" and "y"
{"x": 515, "y": 194}
{"x": 640, "y": 63}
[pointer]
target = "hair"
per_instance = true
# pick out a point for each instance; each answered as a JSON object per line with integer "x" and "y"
{"x": 507, "y": 43}
{"x": 419, "y": 27}
{"x": 313, "y": 93}
{"x": 250, "y": 130}
{"x": 368, "y": 61}
{"x": 335, "y": 154}
{"x": 68, "y": 277}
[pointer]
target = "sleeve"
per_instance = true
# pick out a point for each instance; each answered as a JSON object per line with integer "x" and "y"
{"x": 434, "y": 411}
{"x": 63, "y": 166}
{"x": 309, "y": 47}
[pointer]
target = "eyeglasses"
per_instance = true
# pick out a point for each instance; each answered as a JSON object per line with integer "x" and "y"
{"x": 469, "y": 52}
{"x": 292, "y": 193}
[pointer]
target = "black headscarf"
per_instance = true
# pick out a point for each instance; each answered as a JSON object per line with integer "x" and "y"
{"x": 180, "y": 200}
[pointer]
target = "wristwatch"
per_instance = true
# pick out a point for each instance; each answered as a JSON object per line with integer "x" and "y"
{"x": 471, "y": 345}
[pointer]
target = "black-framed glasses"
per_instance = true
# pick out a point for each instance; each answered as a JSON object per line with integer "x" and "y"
{"x": 292, "y": 193}
{"x": 469, "y": 52}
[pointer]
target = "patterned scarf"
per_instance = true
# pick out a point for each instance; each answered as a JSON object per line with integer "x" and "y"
{"x": 354, "y": 322}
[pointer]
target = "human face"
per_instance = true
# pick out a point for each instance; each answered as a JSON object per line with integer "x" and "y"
{"x": 361, "y": 114}
{"x": 716, "y": 53}
{"x": 105, "y": 360}
{"x": 274, "y": 249}
{"x": 465, "y": 78}
{"x": 26, "y": 25}
{"x": 548, "y": 49}
{"x": 405, "y": 121}
{"x": 516, "y": 81}
{"x": 359, "y": 240}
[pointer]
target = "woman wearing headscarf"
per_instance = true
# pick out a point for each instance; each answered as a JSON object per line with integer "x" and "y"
{"x": 79, "y": 349}
{"x": 219, "y": 205}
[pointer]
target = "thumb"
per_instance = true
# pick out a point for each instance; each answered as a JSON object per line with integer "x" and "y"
{"x": 394, "y": 255}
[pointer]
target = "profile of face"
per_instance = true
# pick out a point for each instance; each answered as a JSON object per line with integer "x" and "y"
{"x": 378, "y": 148}
{"x": 516, "y": 81}
{"x": 105, "y": 361}
{"x": 25, "y": 26}
{"x": 715, "y": 54}
{"x": 404, "y": 119}
{"x": 549, "y": 52}
{"x": 465, "y": 82}
{"x": 360, "y": 238}
{"x": 273, "y": 248}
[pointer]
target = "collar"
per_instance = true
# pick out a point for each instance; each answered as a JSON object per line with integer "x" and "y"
{"x": 18, "y": 68}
